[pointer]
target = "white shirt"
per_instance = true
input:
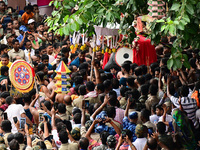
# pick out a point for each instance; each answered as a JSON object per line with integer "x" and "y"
{"x": 26, "y": 54}
{"x": 14, "y": 110}
{"x": 167, "y": 119}
{"x": 139, "y": 143}
{"x": 51, "y": 59}
{"x": 154, "y": 118}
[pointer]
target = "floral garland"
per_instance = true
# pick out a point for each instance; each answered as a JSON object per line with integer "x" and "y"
{"x": 135, "y": 44}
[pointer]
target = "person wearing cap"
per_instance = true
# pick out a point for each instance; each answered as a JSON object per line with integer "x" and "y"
{"x": 21, "y": 37}
{"x": 141, "y": 137}
{"x": 129, "y": 121}
{"x": 8, "y": 40}
{"x": 111, "y": 142}
{"x": 16, "y": 51}
{"x": 31, "y": 25}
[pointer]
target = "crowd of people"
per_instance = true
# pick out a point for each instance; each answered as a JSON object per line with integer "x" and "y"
{"x": 132, "y": 108}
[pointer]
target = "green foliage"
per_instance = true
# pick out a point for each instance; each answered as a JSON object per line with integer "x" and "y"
{"x": 94, "y": 12}
{"x": 181, "y": 21}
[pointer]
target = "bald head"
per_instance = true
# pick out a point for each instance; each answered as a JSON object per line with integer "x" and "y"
{"x": 152, "y": 143}
{"x": 67, "y": 100}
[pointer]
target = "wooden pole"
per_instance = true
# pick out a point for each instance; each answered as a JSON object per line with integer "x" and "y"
{"x": 93, "y": 56}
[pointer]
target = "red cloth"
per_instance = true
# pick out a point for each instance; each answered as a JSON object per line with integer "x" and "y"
{"x": 105, "y": 59}
{"x": 43, "y": 2}
{"x": 146, "y": 54}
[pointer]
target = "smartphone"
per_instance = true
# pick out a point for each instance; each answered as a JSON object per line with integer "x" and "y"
{"x": 34, "y": 128}
{"x": 15, "y": 119}
{"x": 5, "y": 117}
{"x": 123, "y": 134}
{"x": 87, "y": 104}
{"x": 22, "y": 123}
{"x": 40, "y": 117}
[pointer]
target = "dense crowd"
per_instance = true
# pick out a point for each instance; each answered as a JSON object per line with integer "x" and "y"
{"x": 135, "y": 107}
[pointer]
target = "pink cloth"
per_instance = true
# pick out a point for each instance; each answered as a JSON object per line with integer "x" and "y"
{"x": 119, "y": 115}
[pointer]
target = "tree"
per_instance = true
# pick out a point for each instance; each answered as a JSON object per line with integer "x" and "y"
{"x": 182, "y": 20}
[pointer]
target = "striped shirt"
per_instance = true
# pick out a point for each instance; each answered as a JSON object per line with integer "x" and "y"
{"x": 189, "y": 105}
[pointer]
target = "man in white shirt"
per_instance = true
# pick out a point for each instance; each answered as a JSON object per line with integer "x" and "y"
{"x": 15, "y": 110}
{"x": 28, "y": 49}
{"x": 141, "y": 139}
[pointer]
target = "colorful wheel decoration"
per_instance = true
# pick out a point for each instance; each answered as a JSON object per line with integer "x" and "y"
{"x": 22, "y": 76}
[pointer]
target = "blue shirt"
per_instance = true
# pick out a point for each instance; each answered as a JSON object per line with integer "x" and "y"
{"x": 130, "y": 126}
{"x": 49, "y": 66}
{"x": 76, "y": 62}
{"x": 19, "y": 38}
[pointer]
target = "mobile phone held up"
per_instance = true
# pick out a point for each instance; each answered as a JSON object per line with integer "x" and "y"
{"x": 15, "y": 119}
{"x": 22, "y": 123}
{"x": 85, "y": 104}
{"x": 5, "y": 117}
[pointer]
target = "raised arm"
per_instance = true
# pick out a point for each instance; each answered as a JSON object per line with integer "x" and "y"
{"x": 106, "y": 99}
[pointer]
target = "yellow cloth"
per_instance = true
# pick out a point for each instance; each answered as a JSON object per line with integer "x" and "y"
{"x": 8, "y": 65}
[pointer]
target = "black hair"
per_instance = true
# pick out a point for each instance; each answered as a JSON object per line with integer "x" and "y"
{"x": 65, "y": 50}
{"x": 61, "y": 108}
{"x": 111, "y": 111}
{"x": 153, "y": 66}
{"x": 19, "y": 137}
{"x": 75, "y": 111}
{"x": 27, "y": 98}
{"x": 14, "y": 40}
{"x": 5, "y": 56}
{"x": 83, "y": 72}
{"x": 161, "y": 127}
{"x": 40, "y": 75}
{"x": 63, "y": 136}
{"x": 153, "y": 89}
{"x": 73, "y": 56}
{"x": 6, "y": 126}
{"x": 144, "y": 69}
{"x": 82, "y": 52}
{"x": 145, "y": 114}
{"x": 90, "y": 86}
{"x": 123, "y": 90}
{"x": 78, "y": 80}
{"x": 68, "y": 125}
{"x": 184, "y": 90}
{"x": 164, "y": 61}
{"x": 48, "y": 126}
{"x": 115, "y": 83}
{"x": 10, "y": 137}
{"x": 4, "y": 69}
{"x": 126, "y": 67}
{"x": 192, "y": 62}
{"x": 44, "y": 57}
{"x": 104, "y": 135}
{"x": 83, "y": 143}
{"x": 141, "y": 80}
{"x": 82, "y": 90}
{"x": 130, "y": 80}
{"x": 60, "y": 126}
{"x": 133, "y": 66}
{"x": 77, "y": 118}
{"x": 41, "y": 67}
{"x": 9, "y": 100}
{"x": 48, "y": 105}
{"x": 41, "y": 144}
{"x": 144, "y": 89}
{"x": 13, "y": 145}
{"x": 159, "y": 107}
{"x": 138, "y": 71}
{"x": 107, "y": 83}
{"x": 100, "y": 87}
{"x": 83, "y": 65}
{"x": 128, "y": 133}
{"x": 4, "y": 94}
{"x": 42, "y": 47}
{"x": 26, "y": 41}
{"x": 113, "y": 99}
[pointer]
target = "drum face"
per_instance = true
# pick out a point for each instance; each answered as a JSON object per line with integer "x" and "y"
{"x": 123, "y": 54}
